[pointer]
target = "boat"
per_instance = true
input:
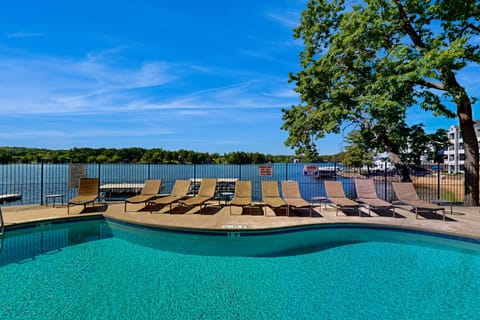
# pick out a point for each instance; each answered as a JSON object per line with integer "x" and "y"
{"x": 320, "y": 171}
{"x": 327, "y": 172}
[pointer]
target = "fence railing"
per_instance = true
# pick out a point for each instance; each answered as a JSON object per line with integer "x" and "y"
{"x": 25, "y": 184}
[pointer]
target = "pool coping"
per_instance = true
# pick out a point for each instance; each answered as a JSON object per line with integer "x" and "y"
{"x": 465, "y": 225}
{"x": 297, "y": 228}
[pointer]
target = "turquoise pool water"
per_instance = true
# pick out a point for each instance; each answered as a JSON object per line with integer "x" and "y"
{"x": 125, "y": 273}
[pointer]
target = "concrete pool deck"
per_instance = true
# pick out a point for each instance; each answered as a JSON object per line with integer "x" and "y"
{"x": 465, "y": 221}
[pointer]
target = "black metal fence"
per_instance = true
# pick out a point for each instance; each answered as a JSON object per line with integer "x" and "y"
{"x": 25, "y": 184}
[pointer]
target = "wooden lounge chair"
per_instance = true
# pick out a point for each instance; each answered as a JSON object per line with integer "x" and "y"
{"x": 243, "y": 195}
{"x": 271, "y": 195}
{"x": 367, "y": 195}
{"x": 205, "y": 192}
{"x": 150, "y": 191}
{"x": 336, "y": 195}
{"x": 179, "y": 192}
{"x": 293, "y": 198}
{"x": 406, "y": 195}
{"x": 87, "y": 193}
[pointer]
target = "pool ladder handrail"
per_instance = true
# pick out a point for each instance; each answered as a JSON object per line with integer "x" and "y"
{"x": 2, "y": 229}
{"x": 2, "y": 224}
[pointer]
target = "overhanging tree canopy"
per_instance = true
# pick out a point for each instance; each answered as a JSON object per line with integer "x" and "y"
{"x": 367, "y": 62}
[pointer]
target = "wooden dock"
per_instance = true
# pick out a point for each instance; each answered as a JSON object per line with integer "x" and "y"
{"x": 10, "y": 197}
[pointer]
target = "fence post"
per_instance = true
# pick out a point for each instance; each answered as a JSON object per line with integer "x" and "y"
{"x": 195, "y": 177}
{"x": 286, "y": 170}
{"x": 148, "y": 171}
{"x": 438, "y": 180}
{"x": 385, "y": 180}
{"x": 41, "y": 181}
{"x": 99, "y": 164}
{"x": 240, "y": 171}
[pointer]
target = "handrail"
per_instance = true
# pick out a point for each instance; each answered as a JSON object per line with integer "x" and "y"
{"x": 2, "y": 223}
{"x": 2, "y": 228}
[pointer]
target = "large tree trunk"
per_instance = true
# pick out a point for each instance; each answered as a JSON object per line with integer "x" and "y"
{"x": 470, "y": 141}
{"x": 464, "y": 111}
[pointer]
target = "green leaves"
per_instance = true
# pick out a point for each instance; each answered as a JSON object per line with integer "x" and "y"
{"x": 364, "y": 65}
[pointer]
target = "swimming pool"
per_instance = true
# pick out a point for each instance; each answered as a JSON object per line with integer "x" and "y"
{"x": 99, "y": 270}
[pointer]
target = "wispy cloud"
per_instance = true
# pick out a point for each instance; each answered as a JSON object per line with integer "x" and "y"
{"x": 42, "y": 84}
{"x": 289, "y": 19}
{"x": 94, "y": 85}
{"x": 24, "y": 34}
{"x": 80, "y": 133}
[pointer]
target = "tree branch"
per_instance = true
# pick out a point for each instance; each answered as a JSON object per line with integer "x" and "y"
{"x": 433, "y": 85}
{"x": 474, "y": 27}
{"x": 417, "y": 40}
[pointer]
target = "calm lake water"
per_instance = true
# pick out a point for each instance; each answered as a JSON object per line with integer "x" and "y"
{"x": 34, "y": 181}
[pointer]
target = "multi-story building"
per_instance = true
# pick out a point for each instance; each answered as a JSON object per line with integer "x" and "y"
{"x": 455, "y": 153}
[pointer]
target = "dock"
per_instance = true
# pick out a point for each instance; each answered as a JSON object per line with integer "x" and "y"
{"x": 224, "y": 186}
{"x": 10, "y": 197}
{"x": 121, "y": 190}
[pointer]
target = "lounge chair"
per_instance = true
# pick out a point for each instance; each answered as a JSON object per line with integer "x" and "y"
{"x": 150, "y": 191}
{"x": 367, "y": 195}
{"x": 206, "y": 192}
{"x": 336, "y": 195}
{"x": 88, "y": 192}
{"x": 271, "y": 195}
{"x": 406, "y": 195}
{"x": 179, "y": 192}
{"x": 242, "y": 196}
{"x": 293, "y": 198}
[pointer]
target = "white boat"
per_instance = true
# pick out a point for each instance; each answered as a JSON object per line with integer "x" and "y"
{"x": 330, "y": 171}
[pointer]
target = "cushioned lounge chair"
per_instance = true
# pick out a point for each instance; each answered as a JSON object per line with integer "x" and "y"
{"x": 150, "y": 191}
{"x": 336, "y": 195}
{"x": 366, "y": 194}
{"x": 406, "y": 195}
{"x": 242, "y": 196}
{"x": 179, "y": 192}
{"x": 206, "y": 192}
{"x": 293, "y": 198}
{"x": 271, "y": 195}
{"x": 88, "y": 192}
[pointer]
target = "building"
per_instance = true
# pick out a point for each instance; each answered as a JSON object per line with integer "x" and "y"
{"x": 455, "y": 153}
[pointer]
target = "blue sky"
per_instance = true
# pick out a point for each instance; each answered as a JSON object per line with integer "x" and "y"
{"x": 209, "y": 76}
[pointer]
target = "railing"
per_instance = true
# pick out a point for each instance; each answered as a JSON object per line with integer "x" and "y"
{"x": 2, "y": 229}
{"x": 26, "y": 184}
{"x": 2, "y": 225}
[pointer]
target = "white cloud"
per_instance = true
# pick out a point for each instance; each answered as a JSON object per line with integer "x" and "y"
{"x": 81, "y": 133}
{"x": 289, "y": 19}
{"x": 36, "y": 85}
{"x": 24, "y": 34}
{"x": 42, "y": 84}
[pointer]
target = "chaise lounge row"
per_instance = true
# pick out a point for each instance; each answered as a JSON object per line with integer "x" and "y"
{"x": 367, "y": 196}
{"x": 291, "y": 198}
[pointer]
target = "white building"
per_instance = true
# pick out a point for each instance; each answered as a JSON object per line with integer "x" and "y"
{"x": 455, "y": 153}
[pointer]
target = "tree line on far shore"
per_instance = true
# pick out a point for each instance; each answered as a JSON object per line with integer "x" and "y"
{"x": 141, "y": 155}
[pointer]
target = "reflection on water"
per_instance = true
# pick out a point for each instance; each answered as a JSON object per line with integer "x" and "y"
{"x": 25, "y": 244}
{"x": 294, "y": 241}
